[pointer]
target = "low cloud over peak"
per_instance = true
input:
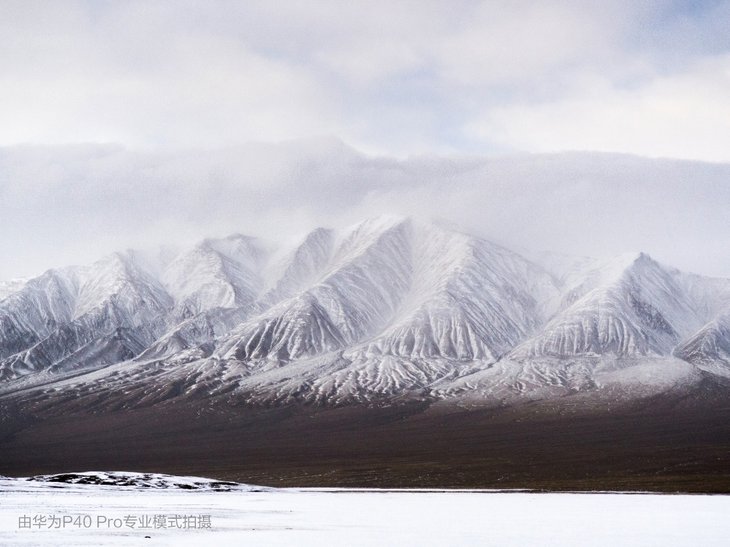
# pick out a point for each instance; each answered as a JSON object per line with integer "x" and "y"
{"x": 70, "y": 204}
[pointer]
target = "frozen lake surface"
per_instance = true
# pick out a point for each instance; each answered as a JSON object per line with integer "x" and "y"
{"x": 59, "y": 514}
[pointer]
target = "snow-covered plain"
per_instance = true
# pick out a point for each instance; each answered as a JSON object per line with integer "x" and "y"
{"x": 358, "y": 517}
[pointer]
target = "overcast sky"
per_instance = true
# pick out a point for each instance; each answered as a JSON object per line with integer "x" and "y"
{"x": 395, "y": 77}
{"x": 74, "y": 204}
{"x": 131, "y": 122}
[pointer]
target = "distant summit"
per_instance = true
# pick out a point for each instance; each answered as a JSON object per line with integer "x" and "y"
{"x": 391, "y": 308}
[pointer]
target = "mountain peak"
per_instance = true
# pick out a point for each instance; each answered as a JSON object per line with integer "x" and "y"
{"x": 381, "y": 222}
{"x": 389, "y": 305}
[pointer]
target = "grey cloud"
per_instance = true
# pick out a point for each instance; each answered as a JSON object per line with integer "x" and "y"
{"x": 61, "y": 205}
{"x": 188, "y": 87}
{"x": 390, "y": 77}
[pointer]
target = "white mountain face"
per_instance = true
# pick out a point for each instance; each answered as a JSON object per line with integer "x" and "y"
{"x": 628, "y": 307}
{"x": 391, "y": 308}
{"x": 11, "y": 286}
{"x": 300, "y": 267}
{"x": 710, "y": 346}
{"x": 222, "y": 273}
{"x": 33, "y": 313}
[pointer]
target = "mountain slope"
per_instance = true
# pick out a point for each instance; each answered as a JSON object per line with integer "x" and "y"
{"x": 709, "y": 346}
{"x": 389, "y": 309}
{"x": 630, "y": 307}
{"x": 215, "y": 273}
{"x": 56, "y": 315}
{"x": 359, "y": 291}
{"x": 468, "y": 300}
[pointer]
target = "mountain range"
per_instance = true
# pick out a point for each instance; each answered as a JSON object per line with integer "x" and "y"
{"x": 391, "y": 309}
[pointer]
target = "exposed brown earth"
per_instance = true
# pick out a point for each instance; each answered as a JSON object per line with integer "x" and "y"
{"x": 662, "y": 444}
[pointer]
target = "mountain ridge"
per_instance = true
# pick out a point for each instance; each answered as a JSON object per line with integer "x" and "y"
{"x": 389, "y": 308}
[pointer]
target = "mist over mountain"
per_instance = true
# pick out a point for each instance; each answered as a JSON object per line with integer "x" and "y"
{"x": 76, "y": 203}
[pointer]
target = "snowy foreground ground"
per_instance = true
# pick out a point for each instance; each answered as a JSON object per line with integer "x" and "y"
{"x": 33, "y": 513}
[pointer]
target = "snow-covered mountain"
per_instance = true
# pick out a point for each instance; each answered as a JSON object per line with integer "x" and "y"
{"x": 390, "y": 308}
{"x": 631, "y": 306}
{"x": 11, "y": 286}
{"x": 710, "y": 346}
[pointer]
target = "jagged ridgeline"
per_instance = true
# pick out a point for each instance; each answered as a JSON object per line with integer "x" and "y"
{"x": 389, "y": 309}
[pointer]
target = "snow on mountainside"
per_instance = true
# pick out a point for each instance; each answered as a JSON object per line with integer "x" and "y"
{"x": 11, "y": 286}
{"x": 631, "y": 306}
{"x": 106, "y": 310}
{"x": 32, "y": 314}
{"x": 355, "y": 297}
{"x": 215, "y": 273}
{"x": 468, "y": 299}
{"x": 301, "y": 266}
{"x": 710, "y": 346}
{"x": 389, "y": 308}
{"x": 400, "y": 306}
